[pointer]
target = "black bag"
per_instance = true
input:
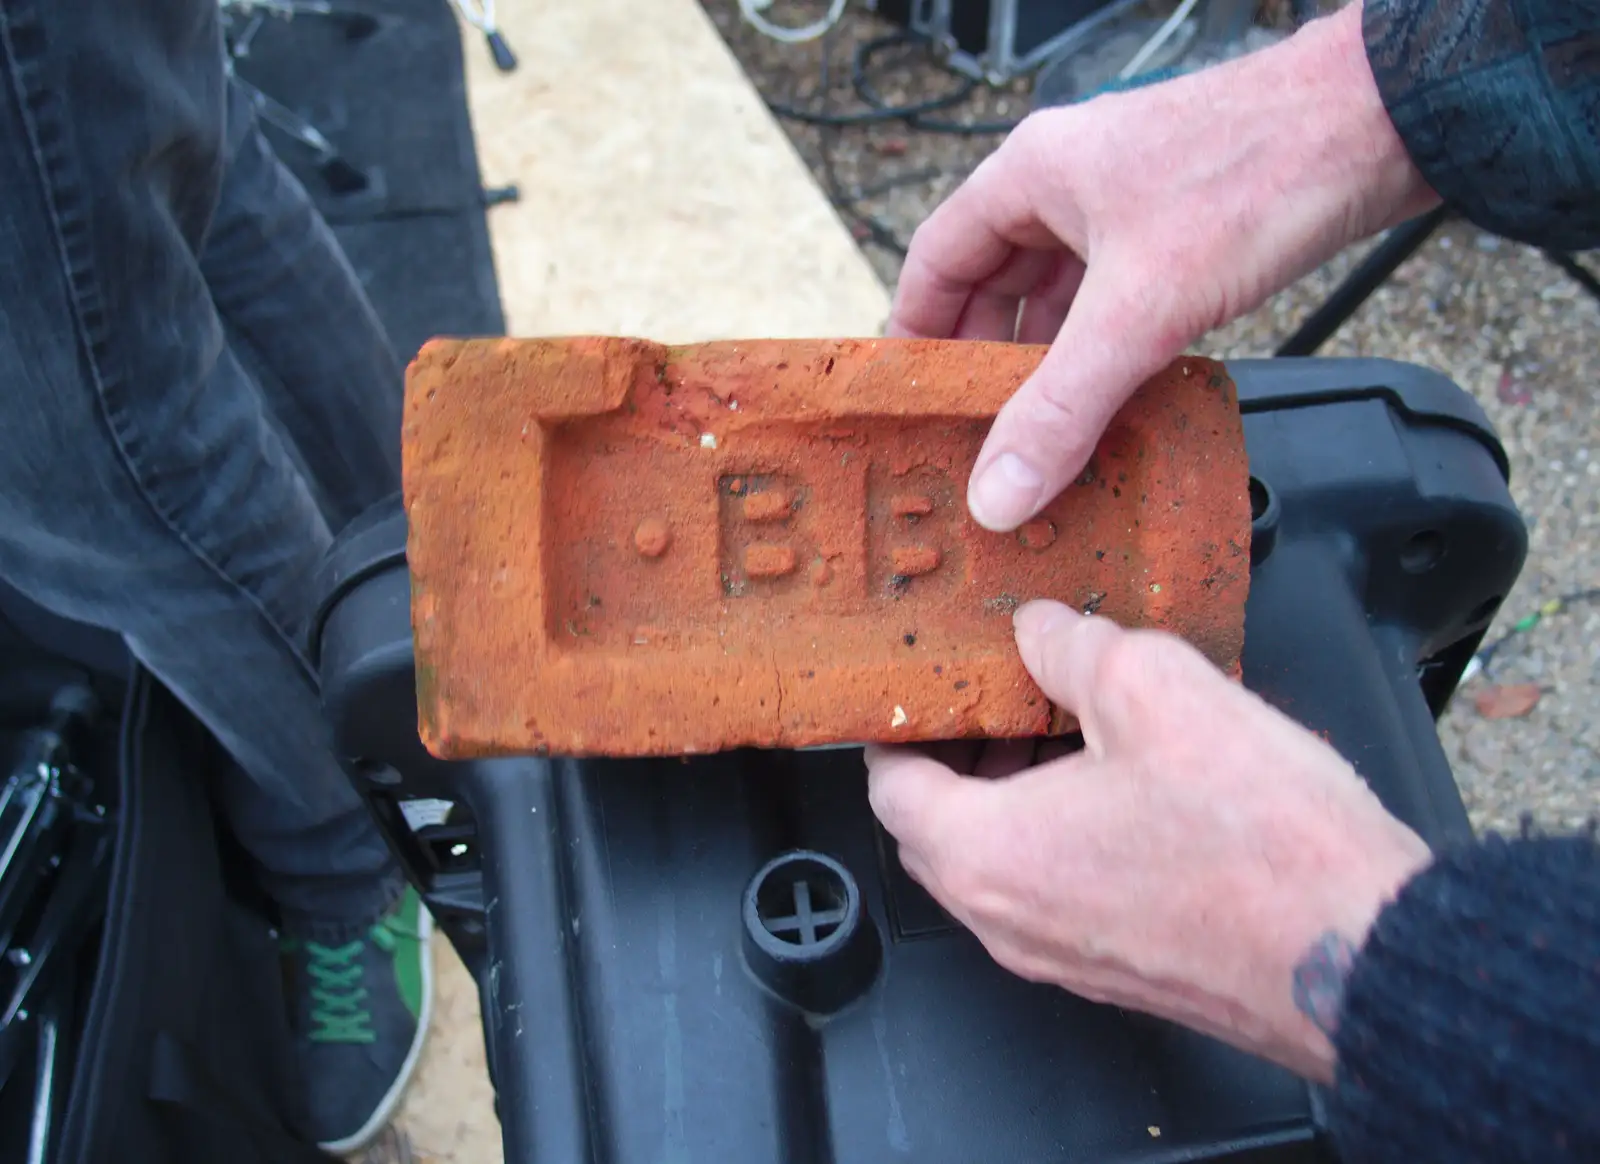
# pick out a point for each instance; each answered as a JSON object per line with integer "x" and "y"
{"x": 158, "y": 1033}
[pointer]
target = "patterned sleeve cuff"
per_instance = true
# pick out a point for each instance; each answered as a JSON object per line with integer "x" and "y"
{"x": 1470, "y": 1028}
{"x": 1498, "y": 104}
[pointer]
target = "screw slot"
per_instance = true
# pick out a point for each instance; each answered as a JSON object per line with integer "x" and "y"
{"x": 1423, "y": 551}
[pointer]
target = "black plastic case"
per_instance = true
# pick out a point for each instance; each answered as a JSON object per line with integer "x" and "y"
{"x": 720, "y": 959}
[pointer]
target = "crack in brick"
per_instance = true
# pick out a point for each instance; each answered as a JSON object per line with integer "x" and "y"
{"x": 777, "y": 674}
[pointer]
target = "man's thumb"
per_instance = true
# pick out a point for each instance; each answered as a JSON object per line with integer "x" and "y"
{"x": 1064, "y": 651}
{"x": 1112, "y": 340}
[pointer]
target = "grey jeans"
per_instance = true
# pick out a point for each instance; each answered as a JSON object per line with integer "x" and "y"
{"x": 150, "y": 481}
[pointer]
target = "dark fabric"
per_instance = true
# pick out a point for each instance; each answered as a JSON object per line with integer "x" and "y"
{"x": 1471, "y": 1023}
{"x": 186, "y": 1053}
{"x": 205, "y": 1120}
{"x": 1498, "y": 104}
{"x": 150, "y": 483}
{"x": 395, "y": 104}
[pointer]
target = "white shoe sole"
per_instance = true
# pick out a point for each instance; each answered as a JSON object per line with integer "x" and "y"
{"x": 381, "y": 1115}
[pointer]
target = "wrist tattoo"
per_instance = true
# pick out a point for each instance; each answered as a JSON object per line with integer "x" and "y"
{"x": 1319, "y": 980}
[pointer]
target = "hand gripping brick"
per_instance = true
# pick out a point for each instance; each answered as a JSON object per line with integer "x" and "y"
{"x": 620, "y": 548}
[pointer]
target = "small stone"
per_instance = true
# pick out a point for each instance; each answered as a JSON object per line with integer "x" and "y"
{"x": 652, "y": 537}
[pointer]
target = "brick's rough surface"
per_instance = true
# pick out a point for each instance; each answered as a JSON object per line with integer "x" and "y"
{"x": 620, "y": 548}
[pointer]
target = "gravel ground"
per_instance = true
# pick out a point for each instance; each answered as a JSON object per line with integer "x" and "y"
{"x": 1493, "y": 315}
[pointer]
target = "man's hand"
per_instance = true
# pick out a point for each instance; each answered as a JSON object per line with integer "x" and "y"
{"x": 1121, "y": 230}
{"x": 1203, "y": 858}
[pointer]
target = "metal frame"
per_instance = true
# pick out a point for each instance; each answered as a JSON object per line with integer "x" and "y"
{"x": 57, "y": 843}
{"x": 1374, "y": 270}
{"x": 999, "y": 63}
{"x": 242, "y": 20}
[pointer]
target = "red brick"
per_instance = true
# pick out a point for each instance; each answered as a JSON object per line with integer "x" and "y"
{"x": 627, "y": 549}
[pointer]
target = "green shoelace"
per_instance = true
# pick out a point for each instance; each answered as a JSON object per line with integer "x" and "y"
{"x": 338, "y": 1013}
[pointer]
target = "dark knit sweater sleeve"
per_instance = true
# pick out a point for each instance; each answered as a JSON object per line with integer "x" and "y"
{"x": 1498, "y": 104}
{"x": 1470, "y": 1029}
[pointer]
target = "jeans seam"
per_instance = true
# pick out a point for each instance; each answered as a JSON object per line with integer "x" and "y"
{"x": 59, "y": 184}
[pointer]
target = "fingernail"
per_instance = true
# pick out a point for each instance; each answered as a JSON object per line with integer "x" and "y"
{"x": 1005, "y": 493}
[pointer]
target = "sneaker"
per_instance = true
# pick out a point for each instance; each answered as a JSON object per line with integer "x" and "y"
{"x": 361, "y": 1017}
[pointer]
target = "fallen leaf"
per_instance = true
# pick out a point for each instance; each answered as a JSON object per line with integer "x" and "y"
{"x": 1507, "y": 701}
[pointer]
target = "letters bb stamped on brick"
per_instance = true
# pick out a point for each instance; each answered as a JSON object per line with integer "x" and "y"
{"x": 621, "y": 548}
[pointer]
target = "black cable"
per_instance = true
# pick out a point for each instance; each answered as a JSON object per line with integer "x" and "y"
{"x": 1304, "y": 11}
{"x": 895, "y": 181}
{"x": 875, "y": 230}
{"x": 963, "y": 128}
{"x": 1486, "y": 654}
{"x": 879, "y": 111}
{"x": 834, "y": 120}
{"x": 916, "y": 116}
{"x": 1371, "y": 273}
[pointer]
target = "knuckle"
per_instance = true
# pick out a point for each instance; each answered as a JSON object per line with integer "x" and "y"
{"x": 1054, "y": 404}
{"x": 917, "y": 246}
{"x": 1052, "y": 416}
{"x": 1040, "y": 139}
{"x": 1028, "y": 140}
